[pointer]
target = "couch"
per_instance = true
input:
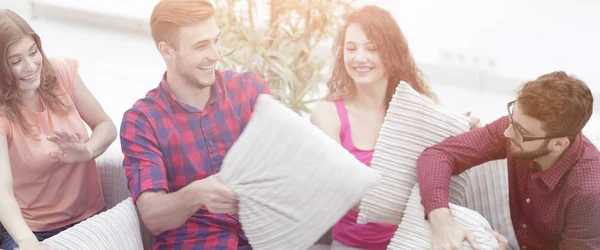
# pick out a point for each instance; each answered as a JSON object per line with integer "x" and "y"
{"x": 118, "y": 224}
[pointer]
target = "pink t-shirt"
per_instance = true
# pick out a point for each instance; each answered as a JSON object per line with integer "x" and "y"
{"x": 52, "y": 195}
{"x": 372, "y": 236}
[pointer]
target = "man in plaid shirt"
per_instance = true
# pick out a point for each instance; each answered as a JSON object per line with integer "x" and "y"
{"x": 553, "y": 169}
{"x": 174, "y": 139}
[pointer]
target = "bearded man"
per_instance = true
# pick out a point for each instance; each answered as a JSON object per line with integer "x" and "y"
{"x": 553, "y": 169}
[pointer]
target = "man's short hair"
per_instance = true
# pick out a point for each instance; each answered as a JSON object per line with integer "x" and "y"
{"x": 169, "y": 16}
{"x": 563, "y": 103}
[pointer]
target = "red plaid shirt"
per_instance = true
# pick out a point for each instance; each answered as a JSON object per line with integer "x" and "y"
{"x": 168, "y": 144}
{"x": 555, "y": 209}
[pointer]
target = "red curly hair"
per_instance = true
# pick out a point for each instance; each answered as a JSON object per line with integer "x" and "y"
{"x": 563, "y": 103}
{"x": 384, "y": 32}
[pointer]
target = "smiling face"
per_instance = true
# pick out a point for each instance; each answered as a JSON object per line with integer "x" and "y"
{"x": 25, "y": 62}
{"x": 361, "y": 57}
{"x": 197, "y": 52}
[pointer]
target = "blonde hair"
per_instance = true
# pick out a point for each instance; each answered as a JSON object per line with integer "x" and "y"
{"x": 169, "y": 16}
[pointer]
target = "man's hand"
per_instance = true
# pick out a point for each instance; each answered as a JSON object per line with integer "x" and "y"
{"x": 502, "y": 241}
{"x": 216, "y": 197}
{"x": 447, "y": 235}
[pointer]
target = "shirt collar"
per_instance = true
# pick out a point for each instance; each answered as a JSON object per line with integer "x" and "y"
{"x": 216, "y": 90}
{"x": 552, "y": 176}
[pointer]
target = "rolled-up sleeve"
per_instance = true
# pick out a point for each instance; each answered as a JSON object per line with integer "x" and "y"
{"x": 143, "y": 161}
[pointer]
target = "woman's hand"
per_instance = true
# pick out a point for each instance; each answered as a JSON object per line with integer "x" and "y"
{"x": 475, "y": 121}
{"x": 72, "y": 147}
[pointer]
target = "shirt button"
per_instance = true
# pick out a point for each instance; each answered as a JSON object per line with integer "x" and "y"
{"x": 527, "y": 200}
{"x": 210, "y": 143}
{"x": 524, "y": 247}
{"x": 524, "y": 226}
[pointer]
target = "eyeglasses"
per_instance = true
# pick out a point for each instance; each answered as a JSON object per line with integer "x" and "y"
{"x": 517, "y": 128}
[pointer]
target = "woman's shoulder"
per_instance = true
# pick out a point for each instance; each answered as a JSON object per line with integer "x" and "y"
{"x": 324, "y": 108}
{"x": 66, "y": 70}
{"x": 325, "y": 115}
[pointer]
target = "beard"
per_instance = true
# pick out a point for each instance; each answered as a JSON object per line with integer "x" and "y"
{"x": 517, "y": 152}
{"x": 193, "y": 77}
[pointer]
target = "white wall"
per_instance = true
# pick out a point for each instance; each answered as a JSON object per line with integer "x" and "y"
{"x": 23, "y": 7}
{"x": 123, "y": 65}
{"x": 524, "y": 39}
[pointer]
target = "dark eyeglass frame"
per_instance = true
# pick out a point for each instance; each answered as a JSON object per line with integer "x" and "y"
{"x": 528, "y": 138}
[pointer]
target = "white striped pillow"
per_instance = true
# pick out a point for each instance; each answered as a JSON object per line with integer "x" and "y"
{"x": 412, "y": 124}
{"x": 486, "y": 191}
{"x": 116, "y": 228}
{"x": 479, "y": 200}
{"x": 293, "y": 181}
{"x": 415, "y": 232}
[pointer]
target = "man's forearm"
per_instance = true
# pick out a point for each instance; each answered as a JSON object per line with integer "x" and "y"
{"x": 12, "y": 219}
{"x": 455, "y": 155}
{"x": 434, "y": 170}
{"x": 164, "y": 211}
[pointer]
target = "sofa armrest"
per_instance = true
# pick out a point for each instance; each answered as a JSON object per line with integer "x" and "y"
{"x": 112, "y": 176}
{"x": 114, "y": 184}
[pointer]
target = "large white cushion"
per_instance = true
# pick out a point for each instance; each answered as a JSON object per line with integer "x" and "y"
{"x": 117, "y": 228}
{"x": 292, "y": 180}
{"x": 480, "y": 192}
{"x": 486, "y": 191}
{"x": 412, "y": 124}
{"x": 415, "y": 232}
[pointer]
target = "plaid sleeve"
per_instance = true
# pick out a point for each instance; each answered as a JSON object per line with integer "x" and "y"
{"x": 455, "y": 155}
{"x": 582, "y": 225}
{"x": 143, "y": 162}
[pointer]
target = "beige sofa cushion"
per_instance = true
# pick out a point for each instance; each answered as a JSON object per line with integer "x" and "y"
{"x": 486, "y": 191}
{"x": 116, "y": 228}
{"x": 412, "y": 124}
{"x": 114, "y": 183}
{"x": 293, "y": 181}
{"x": 112, "y": 175}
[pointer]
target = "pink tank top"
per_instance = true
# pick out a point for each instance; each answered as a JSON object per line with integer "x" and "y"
{"x": 372, "y": 236}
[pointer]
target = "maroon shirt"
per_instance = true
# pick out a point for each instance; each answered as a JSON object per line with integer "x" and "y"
{"x": 555, "y": 209}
